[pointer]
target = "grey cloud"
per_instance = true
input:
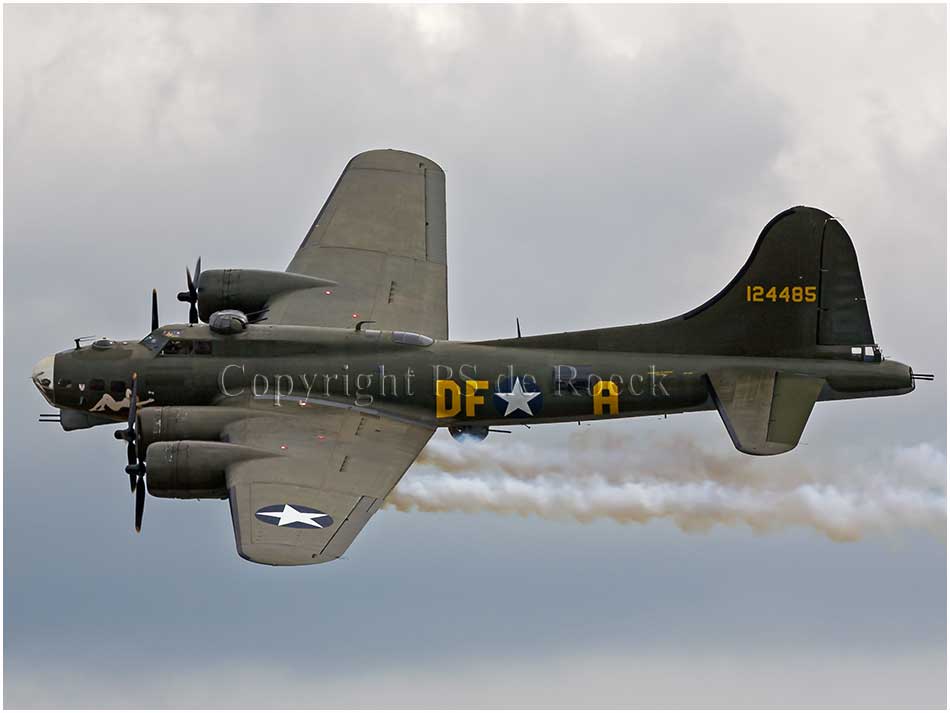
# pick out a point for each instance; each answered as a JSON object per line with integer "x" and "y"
{"x": 605, "y": 165}
{"x": 597, "y": 679}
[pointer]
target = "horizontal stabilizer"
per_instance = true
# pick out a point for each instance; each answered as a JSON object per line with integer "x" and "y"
{"x": 764, "y": 410}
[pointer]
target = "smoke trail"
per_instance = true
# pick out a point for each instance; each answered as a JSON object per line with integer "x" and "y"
{"x": 600, "y": 474}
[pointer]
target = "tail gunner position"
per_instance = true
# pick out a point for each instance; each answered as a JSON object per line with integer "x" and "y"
{"x": 303, "y": 396}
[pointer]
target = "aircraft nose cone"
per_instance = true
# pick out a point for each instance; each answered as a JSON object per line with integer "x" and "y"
{"x": 43, "y": 377}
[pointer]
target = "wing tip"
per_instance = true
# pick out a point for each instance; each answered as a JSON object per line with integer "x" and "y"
{"x": 281, "y": 555}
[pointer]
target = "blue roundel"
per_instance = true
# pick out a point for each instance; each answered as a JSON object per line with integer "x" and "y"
{"x": 296, "y": 516}
{"x": 517, "y": 398}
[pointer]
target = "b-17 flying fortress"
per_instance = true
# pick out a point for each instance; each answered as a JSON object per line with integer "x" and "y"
{"x": 303, "y": 396}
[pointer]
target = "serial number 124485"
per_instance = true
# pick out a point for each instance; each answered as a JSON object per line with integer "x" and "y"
{"x": 798, "y": 293}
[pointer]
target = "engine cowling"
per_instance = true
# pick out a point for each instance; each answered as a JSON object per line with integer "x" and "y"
{"x": 248, "y": 290}
{"x": 193, "y": 469}
{"x": 469, "y": 433}
{"x": 185, "y": 423}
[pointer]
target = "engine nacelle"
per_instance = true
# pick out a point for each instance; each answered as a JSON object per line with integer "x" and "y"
{"x": 184, "y": 423}
{"x": 469, "y": 433}
{"x": 248, "y": 290}
{"x": 193, "y": 469}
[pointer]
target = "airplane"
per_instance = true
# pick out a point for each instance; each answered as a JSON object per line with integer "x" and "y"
{"x": 302, "y": 397}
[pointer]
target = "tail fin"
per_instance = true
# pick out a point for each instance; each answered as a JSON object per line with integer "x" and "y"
{"x": 799, "y": 292}
{"x": 798, "y": 295}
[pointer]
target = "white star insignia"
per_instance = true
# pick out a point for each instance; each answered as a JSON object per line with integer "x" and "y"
{"x": 290, "y": 515}
{"x": 517, "y": 399}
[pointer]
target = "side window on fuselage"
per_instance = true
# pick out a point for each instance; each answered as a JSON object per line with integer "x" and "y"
{"x": 202, "y": 348}
{"x": 176, "y": 347}
{"x": 97, "y": 385}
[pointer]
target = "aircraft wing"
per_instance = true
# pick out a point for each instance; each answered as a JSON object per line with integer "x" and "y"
{"x": 330, "y": 471}
{"x": 381, "y": 236}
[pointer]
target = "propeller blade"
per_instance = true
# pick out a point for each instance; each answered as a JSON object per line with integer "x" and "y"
{"x": 133, "y": 399}
{"x": 139, "y": 502}
{"x": 135, "y": 468}
{"x": 154, "y": 309}
{"x": 193, "y": 312}
{"x": 191, "y": 296}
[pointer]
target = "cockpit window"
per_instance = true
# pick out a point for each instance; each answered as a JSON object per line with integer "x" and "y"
{"x": 154, "y": 342}
{"x": 418, "y": 340}
{"x": 167, "y": 344}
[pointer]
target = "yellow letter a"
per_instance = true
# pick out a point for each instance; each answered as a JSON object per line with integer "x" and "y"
{"x": 610, "y": 400}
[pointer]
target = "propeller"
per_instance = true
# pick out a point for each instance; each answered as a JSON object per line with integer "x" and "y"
{"x": 191, "y": 296}
{"x": 139, "y": 503}
{"x": 154, "y": 309}
{"x": 136, "y": 466}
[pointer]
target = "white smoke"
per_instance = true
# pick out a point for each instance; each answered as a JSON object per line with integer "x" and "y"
{"x": 600, "y": 474}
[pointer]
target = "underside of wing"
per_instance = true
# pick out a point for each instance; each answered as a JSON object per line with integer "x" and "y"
{"x": 381, "y": 237}
{"x": 332, "y": 470}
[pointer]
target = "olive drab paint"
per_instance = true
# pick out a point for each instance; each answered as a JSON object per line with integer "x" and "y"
{"x": 303, "y": 396}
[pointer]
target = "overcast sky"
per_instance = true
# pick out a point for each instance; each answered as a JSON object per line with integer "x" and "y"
{"x": 605, "y": 165}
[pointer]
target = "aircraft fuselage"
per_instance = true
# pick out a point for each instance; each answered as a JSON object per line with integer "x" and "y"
{"x": 442, "y": 383}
